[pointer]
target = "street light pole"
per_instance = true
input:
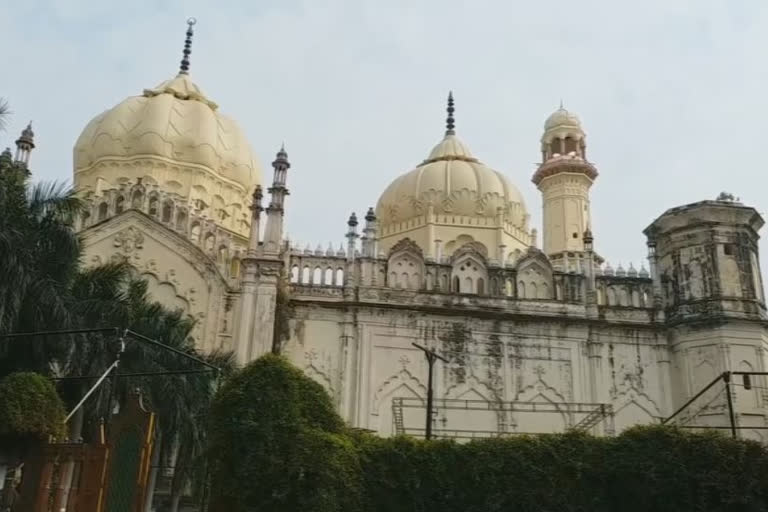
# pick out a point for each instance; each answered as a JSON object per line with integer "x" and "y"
{"x": 431, "y": 356}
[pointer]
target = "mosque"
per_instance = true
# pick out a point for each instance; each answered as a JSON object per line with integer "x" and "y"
{"x": 535, "y": 332}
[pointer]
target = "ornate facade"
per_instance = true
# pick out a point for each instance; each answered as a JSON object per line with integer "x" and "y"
{"x": 537, "y": 338}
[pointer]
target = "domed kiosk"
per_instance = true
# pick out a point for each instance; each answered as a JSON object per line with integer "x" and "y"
{"x": 452, "y": 199}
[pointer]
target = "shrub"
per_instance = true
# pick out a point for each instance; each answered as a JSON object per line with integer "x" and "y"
{"x": 31, "y": 412}
{"x": 278, "y": 445}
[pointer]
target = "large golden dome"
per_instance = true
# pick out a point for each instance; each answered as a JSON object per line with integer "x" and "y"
{"x": 173, "y": 123}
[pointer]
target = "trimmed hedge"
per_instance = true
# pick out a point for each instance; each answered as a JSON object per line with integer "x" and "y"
{"x": 31, "y": 412}
{"x": 281, "y": 446}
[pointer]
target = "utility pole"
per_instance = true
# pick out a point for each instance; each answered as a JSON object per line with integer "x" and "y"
{"x": 431, "y": 356}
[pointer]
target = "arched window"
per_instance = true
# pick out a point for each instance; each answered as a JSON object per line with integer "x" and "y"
{"x": 181, "y": 220}
{"x": 393, "y": 280}
{"x": 480, "y": 286}
{"x": 167, "y": 210}
{"x": 403, "y": 281}
{"x": 456, "y": 285}
{"x": 234, "y": 268}
{"x": 445, "y": 283}
{"x": 103, "y": 211}
{"x": 137, "y": 199}
{"x": 430, "y": 281}
{"x": 635, "y": 298}
{"x": 84, "y": 220}
{"x": 295, "y": 274}
{"x": 339, "y": 277}
{"x": 305, "y": 275}
{"x": 222, "y": 255}
{"x": 645, "y": 302}
{"x": 468, "y": 288}
{"x": 508, "y": 288}
{"x": 570, "y": 145}
{"x": 544, "y": 291}
{"x": 533, "y": 290}
{"x": 416, "y": 281}
{"x": 194, "y": 233}
{"x": 317, "y": 276}
{"x": 153, "y": 205}
{"x": 328, "y": 277}
{"x": 119, "y": 205}
{"x": 521, "y": 290}
{"x": 210, "y": 239}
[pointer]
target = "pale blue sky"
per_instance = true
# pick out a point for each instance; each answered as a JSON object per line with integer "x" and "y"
{"x": 671, "y": 92}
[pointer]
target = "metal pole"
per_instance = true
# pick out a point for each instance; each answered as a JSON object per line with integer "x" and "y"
{"x": 135, "y": 374}
{"x": 431, "y": 356}
{"x": 145, "y": 339}
{"x": 430, "y": 397}
{"x": 694, "y": 397}
{"x": 727, "y": 380}
{"x": 113, "y": 387}
{"x": 90, "y": 391}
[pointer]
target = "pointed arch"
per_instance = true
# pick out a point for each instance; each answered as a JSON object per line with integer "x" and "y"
{"x": 153, "y": 202}
{"x": 388, "y": 388}
{"x": 167, "y": 211}
{"x": 103, "y": 211}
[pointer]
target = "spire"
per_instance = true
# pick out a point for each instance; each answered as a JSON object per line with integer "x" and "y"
{"x": 450, "y": 123}
{"x": 184, "y": 68}
{"x": 561, "y": 104}
{"x": 256, "y": 204}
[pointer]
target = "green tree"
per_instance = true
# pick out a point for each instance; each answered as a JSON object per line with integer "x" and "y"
{"x": 44, "y": 287}
{"x": 276, "y": 443}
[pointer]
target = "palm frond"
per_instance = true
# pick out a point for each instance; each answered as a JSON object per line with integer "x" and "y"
{"x": 54, "y": 200}
{"x": 5, "y": 112}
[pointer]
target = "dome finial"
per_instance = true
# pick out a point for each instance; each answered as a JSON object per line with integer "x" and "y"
{"x": 184, "y": 68}
{"x": 450, "y": 122}
{"x": 561, "y": 104}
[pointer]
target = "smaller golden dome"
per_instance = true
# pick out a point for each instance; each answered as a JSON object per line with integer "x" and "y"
{"x": 562, "y": 118}
{"x": 452, "y": 182}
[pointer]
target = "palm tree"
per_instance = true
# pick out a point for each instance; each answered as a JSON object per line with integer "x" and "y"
{"x": 43, "y": 287}
{"x": 5, "y": 112}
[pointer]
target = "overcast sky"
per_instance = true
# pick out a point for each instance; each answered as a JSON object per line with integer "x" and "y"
{"x": 671, "y": 92}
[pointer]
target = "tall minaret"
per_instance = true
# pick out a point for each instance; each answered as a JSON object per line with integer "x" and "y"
{"x": 257, "y": 319}
{"x": 564, "y": 179}
{"x": 244, "y": 336}
{"x": 273, "y": 235}
{"x": 24, "y": 145}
